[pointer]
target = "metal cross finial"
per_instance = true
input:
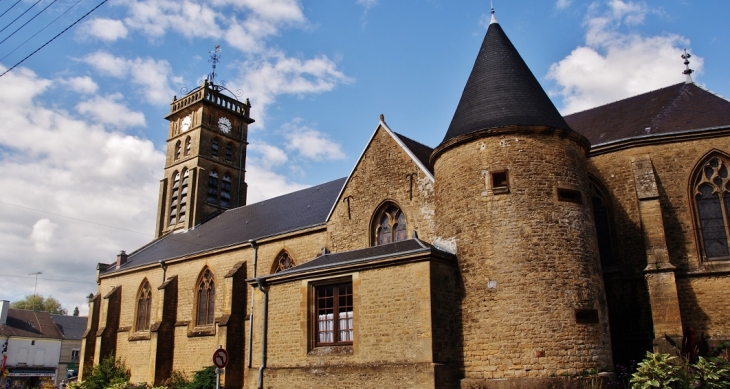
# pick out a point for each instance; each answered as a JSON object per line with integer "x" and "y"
{"x": 493, "y": 18}
{"x": 214, "y": 59}
{"x": 687, "y": 71}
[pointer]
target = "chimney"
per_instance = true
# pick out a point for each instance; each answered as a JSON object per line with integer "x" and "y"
{"x": 121, "y": 258}
{"x": 4, "y": 305}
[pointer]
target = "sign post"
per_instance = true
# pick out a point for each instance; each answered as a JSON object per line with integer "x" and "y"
{"x": 220, "y": 360}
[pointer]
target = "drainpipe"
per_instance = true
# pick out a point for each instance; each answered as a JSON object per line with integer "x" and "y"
{"x": 253, "y": 289}
{"x": 164, "y": 270}
{"x": 263, "y": 288}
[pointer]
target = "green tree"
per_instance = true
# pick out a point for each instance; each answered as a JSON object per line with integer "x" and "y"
{"x": 109, "y": 372}
{"x": 204, "y": 379}
{"x": 76, "y": 311}
{"x": 37, "y": 302}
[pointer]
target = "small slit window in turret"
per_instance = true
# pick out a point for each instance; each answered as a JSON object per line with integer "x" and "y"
{"x": 500, "y": 181}
{"x": 570, "y": 195}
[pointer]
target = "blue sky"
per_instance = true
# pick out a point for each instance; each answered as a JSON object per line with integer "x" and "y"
{"x": 84, "y": 133}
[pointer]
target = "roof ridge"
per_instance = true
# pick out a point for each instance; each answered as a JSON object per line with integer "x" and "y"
{"x": 412, "y": 140}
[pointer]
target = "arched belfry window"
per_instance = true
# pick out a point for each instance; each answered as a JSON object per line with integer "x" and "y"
{"x": 214, "y": 148}
{"x": 229, "y": 152}
{"x": 389, "y": 225}
{"x": 177, "y": 150}
{"x": 711, "y": 199}
{"x": 144, "y": 306}
{"x": 282, "y": 262}
{"x": 604, "y": 223}
{"x": 213, "y": 187}
{"x": 205, "y": 299}
{"x": 174, "y": 197}
{"x": 188, "y": 144}
{"x": 226, "y": 191}
{"x": 183, "y": 207}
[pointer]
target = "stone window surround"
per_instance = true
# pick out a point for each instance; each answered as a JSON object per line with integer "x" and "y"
{"x": 310, "y": 313}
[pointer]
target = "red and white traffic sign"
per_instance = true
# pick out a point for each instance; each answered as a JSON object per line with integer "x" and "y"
{"x": 220, "y": 358}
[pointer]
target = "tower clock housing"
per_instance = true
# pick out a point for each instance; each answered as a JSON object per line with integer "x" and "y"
{"x": 205, "y": 168}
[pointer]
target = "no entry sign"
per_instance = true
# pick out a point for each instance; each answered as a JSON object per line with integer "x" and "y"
{"x": 220, "y": 358}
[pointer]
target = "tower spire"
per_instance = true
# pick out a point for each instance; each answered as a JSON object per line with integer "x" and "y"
{"x": 494, "y": 18}
{"x": 687, "y": 71}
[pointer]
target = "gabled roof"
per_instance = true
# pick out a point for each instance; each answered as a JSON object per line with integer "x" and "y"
{"x": 72, "y": 327}
{"x": 364, "y": 256}
{"x": 417, "y": 151}
{"x": 286, "y": 213}
{"x": 674, "y": 109}
{"x": 501, "y": 91}
{"x": 31, "y": 324}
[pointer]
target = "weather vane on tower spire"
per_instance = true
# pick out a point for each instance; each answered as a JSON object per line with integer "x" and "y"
{"x": 687, "y": 71}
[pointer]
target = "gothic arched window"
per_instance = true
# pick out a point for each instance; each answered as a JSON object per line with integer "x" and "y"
{"x": 183, "y": 197}
{"x": 205, "y": 299}
{"x": 604, "y": 222}
{"x": 282, "y": 262}
{"x": 177, "y": 150}
{"x": 213, "y": 187}
{"x": 226, "y": 191}
{"x": 390, "y": 225}
{"x": 174, "y": 197}
{"x": 188, "y": 144}
{"x": 214, "y": 148}
{"x": 144, "y": 306}
{"x": 711, "y": 198}
{"x": 229, "y": 152}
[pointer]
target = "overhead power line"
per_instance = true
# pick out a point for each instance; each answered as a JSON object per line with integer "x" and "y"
{"x": 21, "y": 15}
{"x": 49, "y": 279}
{"x": 26, "y": 23}
{"x": 54, "y": 38}
{"x": 11, "y": 7}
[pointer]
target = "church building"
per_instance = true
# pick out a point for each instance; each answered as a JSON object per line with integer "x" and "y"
{"x": 525, "y": 246}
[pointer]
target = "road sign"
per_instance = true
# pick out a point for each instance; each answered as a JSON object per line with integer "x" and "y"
{"x": 220, "y": 358}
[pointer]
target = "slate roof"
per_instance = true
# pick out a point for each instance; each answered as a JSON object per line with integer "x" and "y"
{"x": 674, "y": 109}
{"x": 362, "y": 256}
{"x": 290, "y": 212}
{"x": 72, "y": 327}
{"x": 501, "y": 91}
{"x": 31, "y": 324}
{"x": 421, "y": 151}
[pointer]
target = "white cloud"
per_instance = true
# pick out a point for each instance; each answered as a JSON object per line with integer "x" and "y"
{"x": 151, "y": 77}
{"x": 80, "y": 84}
{"x": 265, "y": 155}
{"x": 108, "y": 111}
{"x": 60, "y": 165}
{"x": 562, "y": 4}
{"x": 264, "y": 184}
{"x": 367, "y": 3}
{"x": 42, "y": 234}
{"x": 108, "y": 30}
{"x": 614, "y": 64}
{"x": 311, "y": 143}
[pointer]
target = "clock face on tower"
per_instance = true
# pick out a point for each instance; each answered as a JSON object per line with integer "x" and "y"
{"x": 186, "y": 123}
{"x": 224, "y": 125}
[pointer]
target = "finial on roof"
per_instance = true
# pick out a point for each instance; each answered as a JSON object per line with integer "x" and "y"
{"x": 382, "y": 117}
{"x": 494, "y": 18}
{"x": 214, "y": 59}
{"x": 687, "y": 71}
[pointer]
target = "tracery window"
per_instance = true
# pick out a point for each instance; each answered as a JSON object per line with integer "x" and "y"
{"x": 229, "y": 152}
{"x": 282, "y": 262}
{"x": 391, "y": 225}
{"x": 144, "y": 306}
{"x": 205, "y": 299}
{"x": 174, "y": 197}
{"x": 214, "y": 148}
{"x": 213, "y": 187}
{"x": 226, "y": 191}
{"x": 188, "y": 144}
{"x": 711, "y": 193}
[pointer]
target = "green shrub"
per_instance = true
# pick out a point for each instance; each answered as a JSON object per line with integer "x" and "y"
{"x": 203, "y": 379}
{"x": 177, "y": 380}
{"x": 111, "y": 372}
{"x": 658, "y": 371}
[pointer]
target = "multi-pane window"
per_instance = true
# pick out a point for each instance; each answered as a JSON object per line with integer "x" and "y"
{"x": 334, "y": 315}
{"x": 174, "y": 197}
{"x": 229, "y": 152}
{"x": 144, "y": 304}
{"x": 226, "y": 191}
{"x": 214, "y": 148}
{"x": 205, "y": 299}
{"x": 712, "y": 201}
{"x": 213, "y": 187}
{"x": 391, "y": 226}
{"x": 75, "y": 354}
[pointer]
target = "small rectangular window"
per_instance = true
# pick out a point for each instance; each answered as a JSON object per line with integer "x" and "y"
{"x": 586, "y": 316}
{"x": 334, "y": 315}
{"x": 570, "y": 195}
{"x": 499, "y": 179}
{"x": 75, "y": 355}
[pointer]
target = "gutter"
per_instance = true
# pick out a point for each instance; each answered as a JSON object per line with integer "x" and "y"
{"x": 265, "y": 326}
{"x": 253, "y": 288}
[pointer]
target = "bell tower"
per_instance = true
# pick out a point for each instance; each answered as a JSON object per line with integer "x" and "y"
{"x": 205, "y": 167}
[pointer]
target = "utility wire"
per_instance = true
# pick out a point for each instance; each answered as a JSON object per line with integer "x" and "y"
{"x": 26, "y": 23}
{"x": 21, "y": 15}
{"x": 49, "y": 279}
{"x": 41, "y": 30}
{"x": 54, "y": 38}
{"x": 11, "y": 7}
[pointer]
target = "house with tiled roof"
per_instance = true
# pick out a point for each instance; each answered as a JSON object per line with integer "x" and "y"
{"x": 527, "y": 247}
{"x": 72, "y": 328}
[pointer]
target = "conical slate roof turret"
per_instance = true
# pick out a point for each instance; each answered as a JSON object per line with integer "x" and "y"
{"x": 501, "y": 91}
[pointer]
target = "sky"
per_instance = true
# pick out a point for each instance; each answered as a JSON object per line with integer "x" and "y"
{"x": 82, "y": 129}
